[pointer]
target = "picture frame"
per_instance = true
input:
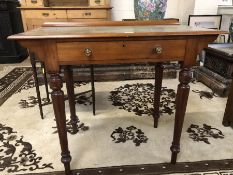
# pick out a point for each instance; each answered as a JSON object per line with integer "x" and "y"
{"x": 205, "y": 21}
{"x": 225, "y": 2}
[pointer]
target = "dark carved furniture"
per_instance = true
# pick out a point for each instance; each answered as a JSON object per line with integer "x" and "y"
{"x": 218, "y": 68}
{"x": 11, "y": 23}
{"x": 228, "y": 116}
{"x": 116, "y": 42}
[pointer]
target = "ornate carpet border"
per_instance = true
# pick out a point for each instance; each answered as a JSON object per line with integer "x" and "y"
{"x": 11, "y": 82}
{"x": 156, "y": 169}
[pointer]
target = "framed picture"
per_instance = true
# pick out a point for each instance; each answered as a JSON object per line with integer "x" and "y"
{"x": 225, "y": 2}
{"x": 205, "y": 21}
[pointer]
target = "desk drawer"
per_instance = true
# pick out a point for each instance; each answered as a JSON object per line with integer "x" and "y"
{"x": 45, "y": 14}
{"x": 85, "y": 14}
{"x": 96, "y": 51}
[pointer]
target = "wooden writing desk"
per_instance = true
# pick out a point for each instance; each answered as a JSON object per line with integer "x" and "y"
{"x": 116, "y": 42}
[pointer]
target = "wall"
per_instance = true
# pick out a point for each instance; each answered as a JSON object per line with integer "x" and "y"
{"x": 209, "y": 7}
{"x": 124, "y": 9}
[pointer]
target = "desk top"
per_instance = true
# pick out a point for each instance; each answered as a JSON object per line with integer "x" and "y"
{"x": 66, "y": 31}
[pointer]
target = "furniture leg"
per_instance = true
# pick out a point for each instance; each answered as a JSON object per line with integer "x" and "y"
{"x": 228, "y": 115}
{"x": 45, "y": 82}
{"x": 185, "y": 77}
{"x": 59, "y": 112}
{"x": 68, "y": 72}
{"x": 157, "y": 92}
{"x": 93, "y": 88}
{"x": 33, "y": 63}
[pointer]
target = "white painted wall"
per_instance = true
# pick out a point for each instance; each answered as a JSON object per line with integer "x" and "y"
{"x": 124, "y": 9}
{"x": 208, "y": 7}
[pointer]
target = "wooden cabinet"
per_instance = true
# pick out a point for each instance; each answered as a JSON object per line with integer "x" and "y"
{"x": 36, "y": 12}
{"x": 10, "y": 23}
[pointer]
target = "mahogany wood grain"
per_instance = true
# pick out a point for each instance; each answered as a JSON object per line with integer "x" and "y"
{"x": 185, "y": 77}
{"x": 59, "y": 45}
{"x": 59, "y": 112}
{"x": 100, "y": 32}
{"x": 121, "y": 50}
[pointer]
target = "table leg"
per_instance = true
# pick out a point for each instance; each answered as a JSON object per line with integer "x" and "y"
{"x": 228, "y": 115}
{"x": 185, "y": 77}
{"x": 59, "y": 111}
{"x": 33, "y": 63}
{"x": 93, "y": 88}
{"x": 45, "y": 82}
{"x": 157, "y": 92}
{"x": 68, "y": 72}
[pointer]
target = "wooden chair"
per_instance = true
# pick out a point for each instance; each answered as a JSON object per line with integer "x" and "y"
{"x": 158, "y": 66}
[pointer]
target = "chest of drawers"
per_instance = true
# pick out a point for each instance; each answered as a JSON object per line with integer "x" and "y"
{"x": 37, "y": 12}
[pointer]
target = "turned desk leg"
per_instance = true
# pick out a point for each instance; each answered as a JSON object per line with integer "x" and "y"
{"x": 157, "y": 92}
{"x": 185, "y": 77}
{"x": 228, "y": 115}
{"x": 68, "y": 72}
{"x": 59, "y": 111}
{"x": 33, "y": 63}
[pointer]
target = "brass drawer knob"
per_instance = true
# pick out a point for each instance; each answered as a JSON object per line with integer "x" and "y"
{"x": 158, "y": 50}
{"x": 88, "y": 52}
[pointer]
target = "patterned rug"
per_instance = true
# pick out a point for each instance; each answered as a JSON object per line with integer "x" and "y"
{"x": 12, "y": 81}
{"x": 120, "y": 139}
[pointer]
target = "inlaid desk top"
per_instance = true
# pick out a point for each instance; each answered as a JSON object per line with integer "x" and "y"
{"x": 65, "y": 44}
{"x": 115, "y": 42}
{"x": 113, "y": 31}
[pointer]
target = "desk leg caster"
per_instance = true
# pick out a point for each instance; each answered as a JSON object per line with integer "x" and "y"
{"x": 185, "y": 77}
{"x": 175, "y": 150}
{"x": 157, "y": 92}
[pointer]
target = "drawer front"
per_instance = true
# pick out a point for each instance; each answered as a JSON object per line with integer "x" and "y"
{"x": 85, "y": 14}
{"x": 45, "y": 14}
{"x": 35, "y": 3}
{"x": 97, "y": 2}
{"x": 121, "y": 50}
{"x": 85, "y": 20}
